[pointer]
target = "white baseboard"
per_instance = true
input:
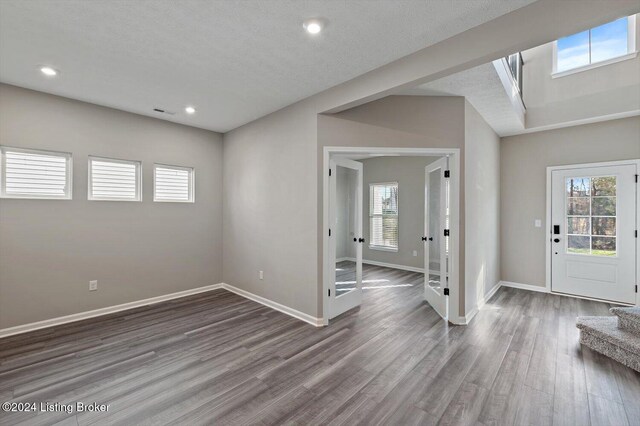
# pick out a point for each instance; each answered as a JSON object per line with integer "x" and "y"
{"x": 19, "y": 329}
{"x": 317, "y": 322}
{"x": 489, "y": 295}
{"x": 472, "y": 313}
{"x": 521, "y": 286}
{"x": 103, "y": 311}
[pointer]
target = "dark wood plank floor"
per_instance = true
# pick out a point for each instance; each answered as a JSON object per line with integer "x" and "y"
{"x": 217, "y": 358}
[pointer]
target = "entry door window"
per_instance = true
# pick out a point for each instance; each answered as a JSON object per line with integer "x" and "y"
{"x": 591, "y": 215}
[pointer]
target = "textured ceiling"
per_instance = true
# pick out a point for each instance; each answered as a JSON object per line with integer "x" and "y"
{"x": 484, "y": 90}
{"x": 233, "y": 60}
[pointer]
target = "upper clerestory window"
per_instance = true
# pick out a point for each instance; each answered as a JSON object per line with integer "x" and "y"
{"x": 606, "y": 44}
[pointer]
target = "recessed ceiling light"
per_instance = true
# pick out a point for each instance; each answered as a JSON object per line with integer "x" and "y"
{"x": 313, "y": 26}
{"x": 190, "y": 110}
{"x": 48, "y": 71}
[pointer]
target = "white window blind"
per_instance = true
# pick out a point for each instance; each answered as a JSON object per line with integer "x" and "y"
{"x": 383, "y": 215}
{"x": 26, "y": 173}
{"x": 173, "y": 184}
{"x": 114, "y": 180}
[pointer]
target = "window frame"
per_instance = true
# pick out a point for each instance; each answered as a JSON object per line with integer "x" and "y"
{"x": 192, "y": 182}
{"x": 68, "y": 173}
{"x": 631, "y": 51}
{"x": 371, "y": 215}
{"x": 138, "y": 165}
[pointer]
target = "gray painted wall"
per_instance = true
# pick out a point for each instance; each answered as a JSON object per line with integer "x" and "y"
{"x": 270, "y": 208}
{"x": 524, "y": 160}
{"x": 401, "y": 121}
{"x": 272, "y": 177}
{"x": 283, "y": 153}
{"x": 50, "y": 249}
{"x": 602, "y": 91}
{"x": 409, "y": 173}
{"x": 482, "y": 208}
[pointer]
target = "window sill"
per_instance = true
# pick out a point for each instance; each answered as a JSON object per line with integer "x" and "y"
{"x": 595, "y": 65}
{"x": 381, "y": 248}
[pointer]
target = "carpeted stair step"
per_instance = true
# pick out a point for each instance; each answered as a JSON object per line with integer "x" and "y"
{"x": 628, "y": 318}
{"x": 603, "y": 335}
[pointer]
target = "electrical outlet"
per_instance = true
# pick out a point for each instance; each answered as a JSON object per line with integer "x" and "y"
{"x": 261, "y": 274}
{"x": 93, "y": 285}
{"x": 415, "y": 253}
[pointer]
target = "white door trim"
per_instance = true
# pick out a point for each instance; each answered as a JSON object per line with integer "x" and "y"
{"x": 547, "y": 224}
{"x": 454, "y": 166}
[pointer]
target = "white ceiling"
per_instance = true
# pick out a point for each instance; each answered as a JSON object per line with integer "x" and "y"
{"x": 233, "y": 60}
{"x": 484, "y": 90}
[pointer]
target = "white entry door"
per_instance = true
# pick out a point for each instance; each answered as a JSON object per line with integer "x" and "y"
{"x": 345, "y": 237}
{"x": 593, "y": 232}
{"x": 436, "y": 224}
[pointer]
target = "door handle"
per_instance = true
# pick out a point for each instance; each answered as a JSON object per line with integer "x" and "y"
{"x": 361, "y": 240}
{"x": 425, "y": 238}
{"x": 556, "y": 240}
{"x": 355, "y": 240}
{"x": 430, "y": 238}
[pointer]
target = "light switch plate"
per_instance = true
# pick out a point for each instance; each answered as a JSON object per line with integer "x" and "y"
{"x": 538, "y": 223}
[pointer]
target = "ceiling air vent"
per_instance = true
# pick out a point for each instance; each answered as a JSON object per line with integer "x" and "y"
{"x": 162, "y": 111}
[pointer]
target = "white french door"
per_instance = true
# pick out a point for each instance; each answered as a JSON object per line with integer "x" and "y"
{"x": 345, "y": 238}
{"x": 593, "y": 231}
{"x": 436, "y": 211}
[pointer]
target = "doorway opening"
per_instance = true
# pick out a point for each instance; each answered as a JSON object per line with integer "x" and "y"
{"x": 369, "y": 221}
{"x": 592, "y": 213}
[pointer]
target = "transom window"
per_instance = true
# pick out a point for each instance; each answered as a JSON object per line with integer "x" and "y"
{"x": 383, "y": 216}
{"x": 591, "y": 215}
{"x": 598, "y": 45}
{"x": 29, "y": 173}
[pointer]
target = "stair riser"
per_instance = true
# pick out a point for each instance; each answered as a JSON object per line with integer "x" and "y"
{"x": 606, "y": 348}
{"x": 631, "y": 325}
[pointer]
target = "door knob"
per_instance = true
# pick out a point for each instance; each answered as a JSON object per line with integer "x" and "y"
{"x": 424, "y": 238}
{"x": 361, "y": 240}
{"x": 430, "y": 238}
{"x": 355, "y": 240}
{"x": 556, "y": 240}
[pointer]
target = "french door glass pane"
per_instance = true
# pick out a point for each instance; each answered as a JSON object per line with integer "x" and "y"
{"x": 345, "y": 229}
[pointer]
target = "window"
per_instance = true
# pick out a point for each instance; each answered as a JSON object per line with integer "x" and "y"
{"x": 27, "y": 173}
{"x": 114, "y": 180}
{"x": 597, "y": 46}
{"x": 383, "y": 216}
{"x": 591, "y": 215}
{"x": 173, "y": 184}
